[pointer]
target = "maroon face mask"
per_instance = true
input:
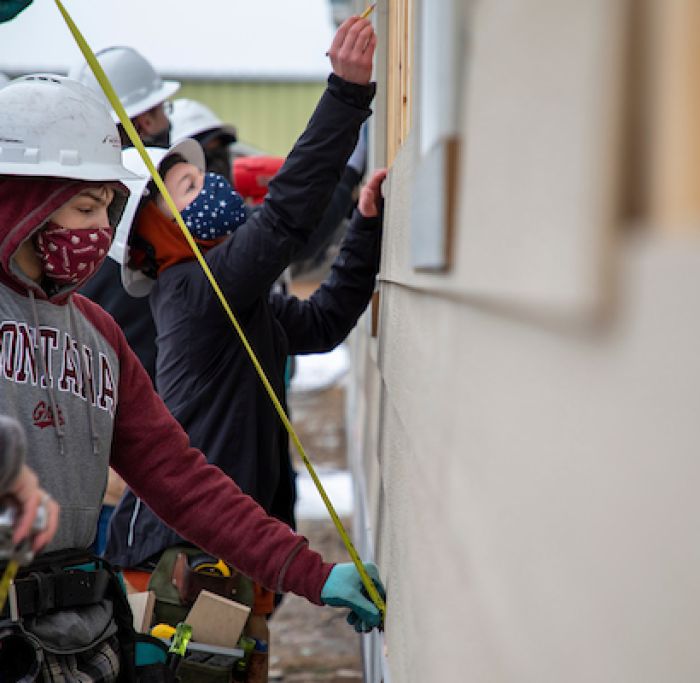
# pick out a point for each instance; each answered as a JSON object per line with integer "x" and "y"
{"x": 70, "y": 256}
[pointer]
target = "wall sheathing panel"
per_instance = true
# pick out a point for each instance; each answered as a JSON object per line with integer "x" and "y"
{"x": 538, "y": 503}
{"x": 540, "y": 487}
{"x": 538, "y": 166}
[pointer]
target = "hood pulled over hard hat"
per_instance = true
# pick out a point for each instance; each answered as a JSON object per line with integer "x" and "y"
{"x": 56, "y": 139}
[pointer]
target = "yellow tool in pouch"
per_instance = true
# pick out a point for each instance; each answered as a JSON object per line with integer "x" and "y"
{"x": 163, "y": 631}
{"x": 204, "y": 564}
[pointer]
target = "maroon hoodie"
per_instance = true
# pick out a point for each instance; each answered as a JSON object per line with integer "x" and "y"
{"x": 68, "y": 375}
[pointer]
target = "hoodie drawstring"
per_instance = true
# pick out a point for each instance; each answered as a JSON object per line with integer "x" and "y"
{"x": 60, "y": 434}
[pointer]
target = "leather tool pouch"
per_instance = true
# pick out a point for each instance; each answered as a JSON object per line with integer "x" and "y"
{"x": 190, "y": 583}
{"x": 176, "y": 586}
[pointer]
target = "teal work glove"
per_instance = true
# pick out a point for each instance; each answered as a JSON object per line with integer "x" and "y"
{"x": 344, "y": 588}
{"x": 9, "y": 9}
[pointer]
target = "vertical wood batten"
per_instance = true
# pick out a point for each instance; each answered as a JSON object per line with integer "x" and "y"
{"x": 675, "y": 115}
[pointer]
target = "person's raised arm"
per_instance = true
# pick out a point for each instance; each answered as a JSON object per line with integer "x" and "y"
{"x": 253, "y": 257}
{"x": 322, "y": 321}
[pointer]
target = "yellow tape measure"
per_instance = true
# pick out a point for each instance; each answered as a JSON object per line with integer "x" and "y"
{"x": 138, "y": 144}
{"x": 7, "y": 578}
{"x": 213, "y": 566}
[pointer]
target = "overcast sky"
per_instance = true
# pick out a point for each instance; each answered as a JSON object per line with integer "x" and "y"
{"x": 245, "y": 38}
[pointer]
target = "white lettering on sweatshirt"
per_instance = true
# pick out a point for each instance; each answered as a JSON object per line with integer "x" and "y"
{"x": 72, "y": 372}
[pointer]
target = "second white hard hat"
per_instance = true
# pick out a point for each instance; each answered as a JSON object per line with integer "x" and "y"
{"x": 190, "y": 119}
{"x": 53, "y": 126}
{"x": 135, "y": 81}
{"x": 134, "y": 281}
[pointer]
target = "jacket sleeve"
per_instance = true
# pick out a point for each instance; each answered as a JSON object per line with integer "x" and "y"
{"x": 321, "y": 322}
{"x": 338, "y": 208}
{"x": 247, "y": 263}
{"x": 152, "y": 454}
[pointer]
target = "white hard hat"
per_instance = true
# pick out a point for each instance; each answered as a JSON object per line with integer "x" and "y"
{"x": 190, "y": 118}
{"x": 53, "y": 126}
{"x": 135, "y": 81}
{"x": 135, "y": 282}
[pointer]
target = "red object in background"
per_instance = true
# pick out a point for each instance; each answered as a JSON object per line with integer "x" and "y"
{"x": 252, "y": 175}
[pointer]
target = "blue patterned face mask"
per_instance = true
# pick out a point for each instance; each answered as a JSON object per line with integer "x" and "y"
{"x": 216, "y": 211}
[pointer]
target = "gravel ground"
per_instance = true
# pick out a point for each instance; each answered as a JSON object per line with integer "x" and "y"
{"x": 308, "y": 643}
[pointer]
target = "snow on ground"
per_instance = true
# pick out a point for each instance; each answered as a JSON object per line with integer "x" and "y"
{"x": 316, "y": 373}
{"x": 338, "y": 487}
{"x": 319, "y": 371}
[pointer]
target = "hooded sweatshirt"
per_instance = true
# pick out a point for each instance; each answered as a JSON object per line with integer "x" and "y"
{"x": 69, "y": 377}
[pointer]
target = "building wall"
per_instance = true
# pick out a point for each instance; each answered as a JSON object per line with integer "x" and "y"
{"x": 523, "y": 428}
{"x": 269, "y": 115}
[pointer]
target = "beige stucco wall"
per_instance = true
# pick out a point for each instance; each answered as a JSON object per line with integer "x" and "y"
{"x": 524, "y": 429}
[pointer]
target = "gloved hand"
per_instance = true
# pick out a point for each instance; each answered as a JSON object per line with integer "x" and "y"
{"x": 344, "y": 588}
{"x": 9, "y": 9}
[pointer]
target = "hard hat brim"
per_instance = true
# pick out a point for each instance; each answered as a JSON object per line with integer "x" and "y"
{"x": 192, "y": 152}
{"x": 168, "y": 89}
{"x": 226, "y": 132}
{"x": 56, "y": 170}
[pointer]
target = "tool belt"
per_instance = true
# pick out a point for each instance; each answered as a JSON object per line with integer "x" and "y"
{"x": 69, "y": 579}
{"x": 55, "y": 582}
{"x": 40, "y": 593}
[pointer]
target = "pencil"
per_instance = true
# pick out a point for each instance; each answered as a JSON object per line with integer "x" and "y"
{"x": 364, "y": 15}
{"x": 368, "y": 11}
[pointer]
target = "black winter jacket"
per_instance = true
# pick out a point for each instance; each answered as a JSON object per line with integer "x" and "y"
{"x": 204, "y": 374}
